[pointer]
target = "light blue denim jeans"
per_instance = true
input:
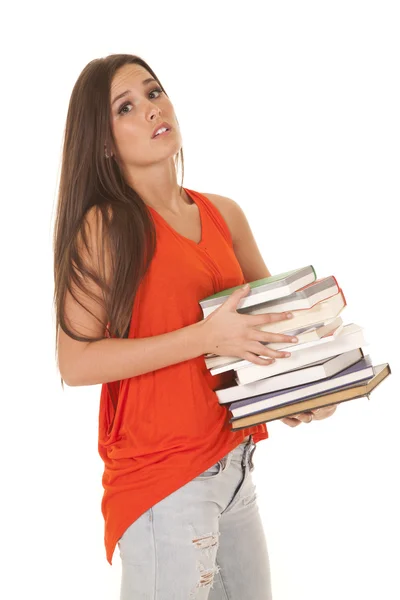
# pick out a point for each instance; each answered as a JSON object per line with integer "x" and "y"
{"x": 205, "y": 541}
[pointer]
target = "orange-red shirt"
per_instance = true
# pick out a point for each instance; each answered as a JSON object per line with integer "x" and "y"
{"x": 168, "y": 426}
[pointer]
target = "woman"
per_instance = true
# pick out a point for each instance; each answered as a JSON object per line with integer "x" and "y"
{"x": 134, "y": 255}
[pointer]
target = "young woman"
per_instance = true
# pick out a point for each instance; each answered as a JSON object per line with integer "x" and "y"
{"x": 134, "y": 253}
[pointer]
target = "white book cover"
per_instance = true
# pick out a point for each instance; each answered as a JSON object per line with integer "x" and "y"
{"x": 319, "y": 369}
{"x": 350, "y": 337}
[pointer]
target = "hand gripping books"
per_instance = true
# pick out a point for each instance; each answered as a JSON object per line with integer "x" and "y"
{"x": 327, "y": 365}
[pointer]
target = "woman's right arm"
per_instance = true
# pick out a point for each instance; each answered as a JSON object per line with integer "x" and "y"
{"x": 223, "y": 332}
{"x": 112, "y": 359}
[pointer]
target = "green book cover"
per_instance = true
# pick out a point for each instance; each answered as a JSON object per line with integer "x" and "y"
{"x": 253, "y": 284}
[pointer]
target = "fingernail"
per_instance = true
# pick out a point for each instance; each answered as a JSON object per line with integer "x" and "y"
{"x": 295, "y": 339}
{"x": 287, "y": 353}
{"x": 289, "y": 315}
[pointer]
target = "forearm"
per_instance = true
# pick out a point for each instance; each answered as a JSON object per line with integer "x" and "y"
{"x": 113, "y": 359}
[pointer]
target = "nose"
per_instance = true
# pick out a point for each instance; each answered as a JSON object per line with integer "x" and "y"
{"x": 154, "y": 112}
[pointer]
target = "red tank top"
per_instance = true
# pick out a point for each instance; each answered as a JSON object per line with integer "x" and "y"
{"x": 167, "y": 426}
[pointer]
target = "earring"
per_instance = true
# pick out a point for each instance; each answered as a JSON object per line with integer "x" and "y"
{"x": 106, "y": 152}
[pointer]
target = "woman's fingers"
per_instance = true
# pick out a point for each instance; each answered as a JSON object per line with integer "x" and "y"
{"x": 266, "y": 336}
{"x": 258, "y": 348}
{"x": 257, "y": 360}
{"x": 305, "y": 417}
{"x": 269, "y": 318}
{"x": 290, "y": 421}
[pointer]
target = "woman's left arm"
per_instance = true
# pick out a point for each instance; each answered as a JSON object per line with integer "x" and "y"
{"x": 253, "y": 266}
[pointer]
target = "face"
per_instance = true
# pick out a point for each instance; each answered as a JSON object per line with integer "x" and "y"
{"x": 137, "y": 108}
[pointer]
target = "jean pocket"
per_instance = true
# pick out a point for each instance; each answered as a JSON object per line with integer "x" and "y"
{"x": 212, "y": 471}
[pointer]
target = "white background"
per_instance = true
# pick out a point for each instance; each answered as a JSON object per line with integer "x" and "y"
{"x": 292, "y": 109}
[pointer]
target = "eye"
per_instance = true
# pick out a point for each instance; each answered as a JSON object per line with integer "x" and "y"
{"x": 121, "y": 110}
{"x": 156, "y": 90}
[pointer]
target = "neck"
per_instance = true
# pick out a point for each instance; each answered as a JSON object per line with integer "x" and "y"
{"x": 158, "y": 188}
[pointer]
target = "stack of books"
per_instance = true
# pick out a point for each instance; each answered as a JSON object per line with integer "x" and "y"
{"x": 327, "y": 365}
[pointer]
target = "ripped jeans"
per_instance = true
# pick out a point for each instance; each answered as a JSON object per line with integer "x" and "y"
{"x": 205, "y": 541}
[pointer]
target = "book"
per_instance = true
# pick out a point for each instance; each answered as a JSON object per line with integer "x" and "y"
{"x": 307, "y": 337}
{"x": 281, "y": 363}
{"x": 263, "y": 290}
{"x": 321, "y": 312}
{"x": 359, "y": 371}
{"x": 326, "y": 339}
{"x": 306, "y": 297}
{"x": 326, "y": 365}
{"x": 350, "y": 338}
{"x": 342, "y": 395}
{"x": 318, "y": 370}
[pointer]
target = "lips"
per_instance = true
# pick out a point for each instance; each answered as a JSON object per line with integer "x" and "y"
{"x": 167, "y": 125}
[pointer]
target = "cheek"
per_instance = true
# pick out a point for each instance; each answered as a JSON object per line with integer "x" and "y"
{"x": 130, "y": 139}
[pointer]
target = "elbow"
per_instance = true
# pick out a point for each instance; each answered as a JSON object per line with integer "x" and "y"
{"x": 69, "y": 376}
{"x": 75, "y": 367}
{"x": 68, "y": 380}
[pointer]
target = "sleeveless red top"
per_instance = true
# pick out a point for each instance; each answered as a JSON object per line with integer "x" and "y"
{"x": 168, "y": 426}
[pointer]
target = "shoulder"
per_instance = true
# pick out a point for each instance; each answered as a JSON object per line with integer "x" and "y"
{"x": 222, "y": 202}
{"x": 230, "y": 210}
{"x": 245, "y": 246}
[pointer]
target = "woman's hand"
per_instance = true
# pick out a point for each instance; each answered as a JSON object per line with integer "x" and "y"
{"x": 317, "y": 414}
{"x": 229, "y": 333}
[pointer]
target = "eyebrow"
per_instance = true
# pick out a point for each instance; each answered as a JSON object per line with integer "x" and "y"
{"x": 145, "y": 82}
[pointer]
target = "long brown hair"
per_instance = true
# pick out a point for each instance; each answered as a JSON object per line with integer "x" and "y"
{"x": 87, "y": 179}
